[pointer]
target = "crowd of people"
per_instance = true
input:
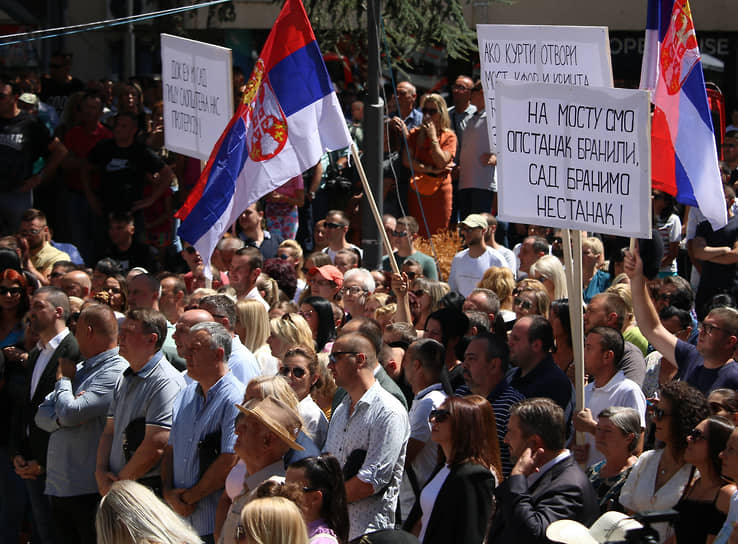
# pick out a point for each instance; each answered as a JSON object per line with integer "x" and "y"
{"x": 298, "y": 396}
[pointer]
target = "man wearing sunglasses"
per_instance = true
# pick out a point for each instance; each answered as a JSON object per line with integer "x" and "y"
{"x": 336, "y": 227}
{"x": 707, "y": 366}
{"x": 368, "y": 434}
{"x": 403, "y": 238}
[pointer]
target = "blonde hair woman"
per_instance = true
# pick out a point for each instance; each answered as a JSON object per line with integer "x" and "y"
{"x": 268, "y": 289}
{"x": 432, "y": 147}
{"x": 272, "y": 520}
{"x": 501, "y": 282}
{"x": 252, "y": 326}
{"x": 531, "y": 298}
{"x": 594, "y": 280}
{"x": 287, "y": 331}
{"x": 550, "y": 272}
{"x": 131, "y": 514}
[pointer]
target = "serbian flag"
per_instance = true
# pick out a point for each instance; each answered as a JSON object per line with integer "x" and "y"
{"x": 683, "y": 153}
{"x": 289, "y": 117}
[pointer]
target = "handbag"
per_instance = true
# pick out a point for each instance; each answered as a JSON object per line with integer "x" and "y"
{"x": 427, "y": 184}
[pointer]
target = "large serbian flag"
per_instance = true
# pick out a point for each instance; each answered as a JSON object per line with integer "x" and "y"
{"x": 289, "y": 117}
{"x": 683, "y": 152}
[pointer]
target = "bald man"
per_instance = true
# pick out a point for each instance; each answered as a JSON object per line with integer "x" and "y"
{"x": 182, "y": 329}
{"x": 76, "y": 283}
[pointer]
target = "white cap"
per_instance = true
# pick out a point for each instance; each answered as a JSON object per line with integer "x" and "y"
{"x": 610, "y": 527}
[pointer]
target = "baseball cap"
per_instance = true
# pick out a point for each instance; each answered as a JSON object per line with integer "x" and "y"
{"x": 609, "y": 527}
{"x": 475, "y": 221}
{"x": 329, "y": 272}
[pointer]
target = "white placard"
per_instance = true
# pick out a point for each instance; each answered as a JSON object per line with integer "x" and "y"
{"x": 197, "y": 92}
{"x": 566, "y": 55}
{"x": 574, "y": 157}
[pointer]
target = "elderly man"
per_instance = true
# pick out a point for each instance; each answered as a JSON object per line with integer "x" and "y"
{"x": 545, "y": 484}
{"x": 200, "y": 451}
{"x": 368, "y": 434}
{"x": 245, "y": 268}
{"x": 183, "y": 326}
{"x": 28, "y": 442}
{"x": 140, "y": 415}
{"x": 241, "y": 361}
{"x": 358, "y": 283}
{"x": 266, "y": 431}
{"x": 76, "y": 283}
{"x": 74, "y": 413}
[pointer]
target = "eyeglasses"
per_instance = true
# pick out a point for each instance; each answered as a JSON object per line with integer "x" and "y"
{"x": 440, "y": 415}
{"x": 398, "y": 234}
{"x": 461, "y": 88}
{"x": 31, "y": 232}
{"x": 523, "y": 303}
{"x": 296, "y": 371}
{"x": 476, "y": 88}
{"x": 333, "y": 357}
{"x": 354, "y": 290}
{"x": 708, "y": 328}
{"x": 334, "y": 226}
{"x": 695, "y": 435}
{"x": 12, "y": 291}
{"x": 307, "y": 313}
{"x": 430, "y": 111}
{"x": 659, "y": 414}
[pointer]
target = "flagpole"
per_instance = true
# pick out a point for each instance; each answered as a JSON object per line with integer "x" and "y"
{"x": 373, "y": 206}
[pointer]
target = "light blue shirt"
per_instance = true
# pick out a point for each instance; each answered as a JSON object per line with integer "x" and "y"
{"x": 74, "y": 413}
{"x": 194, "y": 418}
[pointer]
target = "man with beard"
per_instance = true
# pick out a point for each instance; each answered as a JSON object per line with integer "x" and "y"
{"x": 39, "y": 255}
{"x": 469, "y": 265}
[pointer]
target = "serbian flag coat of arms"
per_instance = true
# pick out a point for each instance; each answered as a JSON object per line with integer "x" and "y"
{"x": 288, "y": 118}
{"x": 683, "y": 152}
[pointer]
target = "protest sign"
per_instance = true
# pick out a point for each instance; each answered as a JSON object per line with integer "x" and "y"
{"x": 197, "y": 92}
{"x": 566, "y": 55}
{"x": 574, "y": 157}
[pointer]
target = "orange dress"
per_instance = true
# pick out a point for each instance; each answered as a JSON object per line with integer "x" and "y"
{"x": 437, "y": 207}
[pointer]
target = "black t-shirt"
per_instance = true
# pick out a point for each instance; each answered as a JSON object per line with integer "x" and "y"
{"x": 137, "y": 255}
{"x": 715, "y": 277}
{"x": 56, "y": 94}
{"x": 23, "y": 139}
{"x": 123, "y": 172}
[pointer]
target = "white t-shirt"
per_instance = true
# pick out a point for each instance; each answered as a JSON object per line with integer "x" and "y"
{"x": 670, "y": 231}
{"x": 619, "y": 391}
{"x": 428, "y": 498}
{"x": 466, "y": 271}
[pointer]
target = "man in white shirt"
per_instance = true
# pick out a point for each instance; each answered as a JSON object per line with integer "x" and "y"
{"x": 603, "y": 353}
{"x": 469, "y": 265}
{"x": 336, "y": 227}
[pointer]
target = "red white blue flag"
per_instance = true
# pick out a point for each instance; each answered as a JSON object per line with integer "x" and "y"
{"x": 683, "y": 152}
{"x": 288, "y": 118}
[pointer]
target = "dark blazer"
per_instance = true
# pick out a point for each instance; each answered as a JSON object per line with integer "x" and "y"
{"x": 32, "y": 445}
{"x": 523, "y": 515}
{"x": 462, "y": 508}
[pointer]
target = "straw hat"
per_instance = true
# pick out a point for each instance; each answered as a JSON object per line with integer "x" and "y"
{"x": 276, "y": 416}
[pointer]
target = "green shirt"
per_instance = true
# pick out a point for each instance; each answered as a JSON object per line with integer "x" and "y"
{"x": 429, "y": 265}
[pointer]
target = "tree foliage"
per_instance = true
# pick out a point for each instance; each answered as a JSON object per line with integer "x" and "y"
{"x": 408, "y": 26}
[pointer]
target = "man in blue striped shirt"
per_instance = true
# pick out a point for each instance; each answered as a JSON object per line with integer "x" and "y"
{"x": 200, "y": 454}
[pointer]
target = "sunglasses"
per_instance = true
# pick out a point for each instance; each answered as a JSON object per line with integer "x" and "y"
{"x": 659, "y": 414}
{"x": 524, "y": 304}
{"x": 398, "y": 234}
{"x": 12, "y": 291}
{"x": 410, "y": 275}
{"x": 334, "y": 226}
{"x": 191, "y": 250}
{"x": 333, "y": 357}
{"x": 430, "y": 111}
{"x": 439, "y": 415}
{"x": 419, "y": 293}
{"x": 695, "y": 435}
{"x": 296, "y": 371}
